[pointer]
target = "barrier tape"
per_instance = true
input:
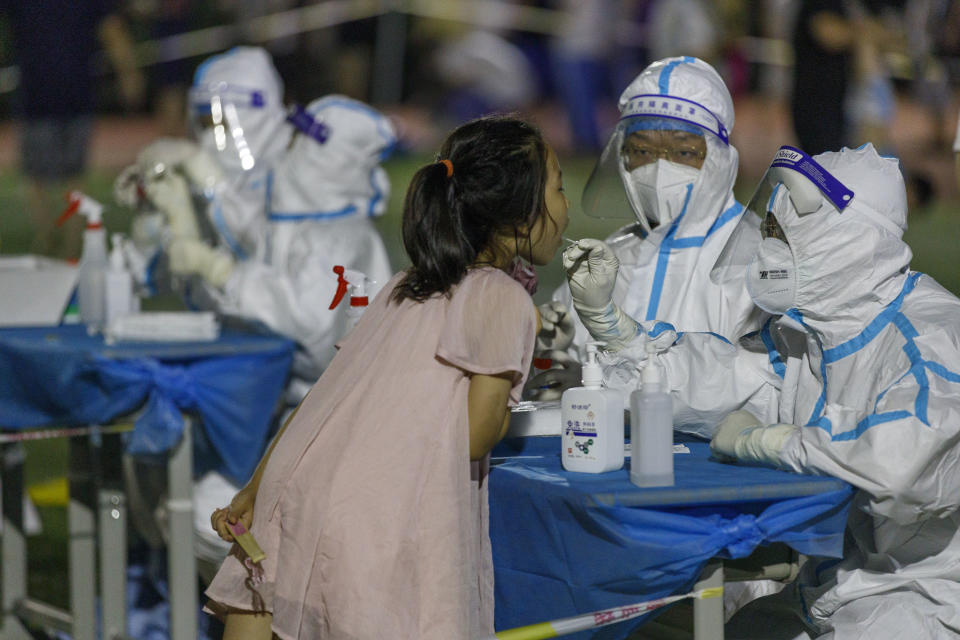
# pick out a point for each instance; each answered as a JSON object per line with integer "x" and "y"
{"x": 597, "y": 619}
{"x": 48, "y": 434}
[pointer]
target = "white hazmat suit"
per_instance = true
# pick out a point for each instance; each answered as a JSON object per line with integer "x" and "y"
{"x": 684, "y": 215}
{"x": 859, "y": 378}
{"x": 323, "y": 196}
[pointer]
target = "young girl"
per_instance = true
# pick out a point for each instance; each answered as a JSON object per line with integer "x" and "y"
{"x": 370, "y": 504}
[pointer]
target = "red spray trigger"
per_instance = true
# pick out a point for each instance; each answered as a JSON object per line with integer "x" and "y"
{"x": 71, "y": 209}
{"x": 342, "y": 285}
{"x": 80, "y": 203}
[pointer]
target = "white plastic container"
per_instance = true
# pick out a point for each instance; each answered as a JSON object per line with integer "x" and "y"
{"x": 91, "y": 284}
{"x": 591, "y": 422}
{"x": 651, "y": 427}
{"x": 118, "y": 297}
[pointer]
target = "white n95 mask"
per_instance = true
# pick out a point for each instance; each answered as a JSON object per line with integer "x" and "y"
{"x": 772, "y": 277}
{"x": 659, "y": 190}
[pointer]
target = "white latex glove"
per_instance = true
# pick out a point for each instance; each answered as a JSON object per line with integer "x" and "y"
{"x": 126, "y": 187}
{"x": 163, "y": 154}
{"x": 591, "y": 268}
{"x": 557, "y": 330}
{"x": 203, "y": 170}
{"x": 564, "y": 373}
{"x": 742, "y": 437}
{"x": 170, "y": 194}
{"x": 189, "y": 256}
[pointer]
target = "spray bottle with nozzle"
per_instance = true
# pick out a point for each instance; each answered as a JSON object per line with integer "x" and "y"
{"x": 91, "y": 285}
{"x": 356, "y": 282}
{"x": 592, "y": 422}
{"x": 651, "y": 426}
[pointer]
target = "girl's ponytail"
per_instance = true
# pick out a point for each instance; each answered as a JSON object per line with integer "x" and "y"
{"x": 433, "y": 235}
{"x": 489, "y": 177}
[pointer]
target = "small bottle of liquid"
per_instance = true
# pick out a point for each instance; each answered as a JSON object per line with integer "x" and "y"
{"x": 592, "y": 422}
{"x": 651, "y": 427}
{"x": 119, "y": 283}
{"x": 91, "y": 284}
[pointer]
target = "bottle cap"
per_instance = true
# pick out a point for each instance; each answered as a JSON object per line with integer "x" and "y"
{"x": 117, "y": 262}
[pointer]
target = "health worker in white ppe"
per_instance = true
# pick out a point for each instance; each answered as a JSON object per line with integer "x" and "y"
{"x": 283, "y": 224}
{"x": 669, "y": 163}
{"x": 856, "y": 375}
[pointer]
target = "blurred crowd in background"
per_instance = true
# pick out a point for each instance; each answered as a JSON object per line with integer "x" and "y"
{"x": 431, "y": 64}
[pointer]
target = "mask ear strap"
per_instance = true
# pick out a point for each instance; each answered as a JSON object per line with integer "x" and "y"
{"x": 516, "y": 245}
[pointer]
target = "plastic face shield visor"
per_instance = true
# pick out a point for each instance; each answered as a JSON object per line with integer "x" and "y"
{"x": 680, "y": 122}
{"x": 221, "y": 112}
{"x": 807, "y": 184}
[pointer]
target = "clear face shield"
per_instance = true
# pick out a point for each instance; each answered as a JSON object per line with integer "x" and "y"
{"x": 651, "y": 160}
{"x": 232, "y": 123}
{"x": 806, "y": 184}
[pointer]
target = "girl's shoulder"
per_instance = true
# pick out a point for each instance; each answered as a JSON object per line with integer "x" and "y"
{"x": 492, "y": 281}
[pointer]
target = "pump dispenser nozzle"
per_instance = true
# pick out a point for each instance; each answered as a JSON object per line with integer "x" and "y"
{"x": 652, "y": 376}
{"x": 591, "y": 373}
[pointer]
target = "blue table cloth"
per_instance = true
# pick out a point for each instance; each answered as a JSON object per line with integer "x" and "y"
{"x": 570, "y": 543}
{"x": 62, "y": 376}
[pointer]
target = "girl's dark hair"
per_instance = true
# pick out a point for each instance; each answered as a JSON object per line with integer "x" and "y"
{"x": 499, "y": 171}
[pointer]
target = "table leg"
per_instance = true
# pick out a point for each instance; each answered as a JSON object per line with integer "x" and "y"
{"x": 113, "y": 563}
{"x": 13, "y": 541}
{"x": 181, "y": 563}
{"x": 83, "y": 547}
{"x": 708, "y": 612}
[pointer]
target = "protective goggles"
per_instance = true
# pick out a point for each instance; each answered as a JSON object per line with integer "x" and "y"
{"x": 808, "y": 186}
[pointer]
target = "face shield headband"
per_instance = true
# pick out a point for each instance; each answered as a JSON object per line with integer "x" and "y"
{"x": 808, "y": 185}
{"x": 673, "y": 108}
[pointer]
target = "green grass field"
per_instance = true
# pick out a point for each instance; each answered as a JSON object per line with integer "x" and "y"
{"x": 932, "y": 235}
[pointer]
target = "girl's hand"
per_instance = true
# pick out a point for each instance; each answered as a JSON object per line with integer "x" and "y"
{"x": 240, "y": 509}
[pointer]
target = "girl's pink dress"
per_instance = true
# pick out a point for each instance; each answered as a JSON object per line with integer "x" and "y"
{"x": 372, "y": 517}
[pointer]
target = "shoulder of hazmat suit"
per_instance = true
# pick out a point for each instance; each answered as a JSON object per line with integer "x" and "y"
{"x": 684, "y": 216}
{"x": 868, "y": 357}
{"x": 325, "y": 193}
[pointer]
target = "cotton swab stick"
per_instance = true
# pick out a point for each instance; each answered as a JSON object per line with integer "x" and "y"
{"x": 597, "y": 619}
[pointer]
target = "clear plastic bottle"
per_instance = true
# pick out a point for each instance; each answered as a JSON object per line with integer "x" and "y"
{"x": 651, "y": 427}
{"x": 592, "y": 422}
{"x": 118, "y": 297}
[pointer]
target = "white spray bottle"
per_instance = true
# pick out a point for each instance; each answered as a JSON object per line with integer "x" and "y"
{"x": 356, "y": 282}
{"x": 91, "y": 284}
{"x": 651, "y": 426}
{"x": 592, "y": 422}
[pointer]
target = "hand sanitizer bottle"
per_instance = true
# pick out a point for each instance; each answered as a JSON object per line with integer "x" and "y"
{"x": 651, "y": 427}
{"x": 592, "y": 416}
{"x": 119, "y": 283}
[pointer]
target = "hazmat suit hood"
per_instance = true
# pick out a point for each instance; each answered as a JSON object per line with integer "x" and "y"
{"x": 694, "y": 99}
{"x": 237, "y": 115}
{"x": 332, "y": 170}
{"x": 849, "y": 264}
